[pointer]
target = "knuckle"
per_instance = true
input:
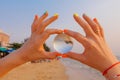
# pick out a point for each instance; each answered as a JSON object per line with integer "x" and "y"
{"x": 91, "y": 44}
{"x": 86, "y": 42}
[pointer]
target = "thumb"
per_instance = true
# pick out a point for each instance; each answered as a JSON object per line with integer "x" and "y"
{"x": 76, "y": 56}
{"x": 51, "y": 55}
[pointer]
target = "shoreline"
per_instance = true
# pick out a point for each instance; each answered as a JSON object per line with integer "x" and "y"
{"x": 78, "y": 71}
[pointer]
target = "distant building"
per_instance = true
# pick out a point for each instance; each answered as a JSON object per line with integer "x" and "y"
{"x": 4, "y": 39}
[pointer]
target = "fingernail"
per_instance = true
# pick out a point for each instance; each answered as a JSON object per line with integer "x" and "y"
{"x": 36, "y": 16}
{"x": 58, "y": 54}
{"x": 84, "y": 14}
{"x": 45, "y": 12}
{"x": 94, "y": 19}
{"x": 64, "y": 56}
{"x": 65, "y": 30}
{"x": 56, "y": 14}
{"x": 76, "y": 15}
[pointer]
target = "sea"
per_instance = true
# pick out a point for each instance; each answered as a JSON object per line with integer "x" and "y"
{"x": 78, "y": 71}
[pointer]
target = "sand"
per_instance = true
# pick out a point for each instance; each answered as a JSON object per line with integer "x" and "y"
{"x": 53, "y": 70}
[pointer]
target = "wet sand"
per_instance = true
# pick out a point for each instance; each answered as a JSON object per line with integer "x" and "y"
{"x": 53, "y": 70}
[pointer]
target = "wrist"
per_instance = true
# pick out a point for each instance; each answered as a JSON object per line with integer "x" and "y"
{"x": 13, "y": 59}
{"x": 108, "y": 62}
{"x": 112, "y": 74}
{"x": 22, "y": 57}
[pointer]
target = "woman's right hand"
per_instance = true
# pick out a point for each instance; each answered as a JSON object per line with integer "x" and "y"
{"x": 97, "y": 54}
{"x": 33, "y": 48}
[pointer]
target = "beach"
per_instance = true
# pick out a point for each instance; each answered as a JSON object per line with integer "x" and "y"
{"x": 53, "y": 70}
{"x": 78, "y": 71}
{"x": 63, "y": 69}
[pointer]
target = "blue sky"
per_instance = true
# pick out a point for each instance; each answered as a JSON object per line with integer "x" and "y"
{"x": 16, "y": 17}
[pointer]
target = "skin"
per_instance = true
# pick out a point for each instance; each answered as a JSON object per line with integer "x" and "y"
{"x": 96, "y": 48}
{"x": 33, "y": 48}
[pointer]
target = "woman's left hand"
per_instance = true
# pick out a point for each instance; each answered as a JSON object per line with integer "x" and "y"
{"x": 97, "y": 53}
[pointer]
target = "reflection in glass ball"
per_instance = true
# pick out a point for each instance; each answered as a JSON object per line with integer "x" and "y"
{"x": 62, "y": 43}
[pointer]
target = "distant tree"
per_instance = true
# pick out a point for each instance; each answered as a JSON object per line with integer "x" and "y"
{"x": 46, "y": 47}
{"x": 15, "y": 45}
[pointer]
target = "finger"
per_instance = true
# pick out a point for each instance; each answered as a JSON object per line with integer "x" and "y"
{"x": 92, "y": 24}
{"x": 58, "y": 54}
{"x": 83, "y": 24}
{"x": 100, "y": 28}
{"x": 46, "y": 23}
{"x": 51, "y": 55}
{"x": 39, "y": 21}
{"x": 42, "y": 18}
{"x": 76, "y": 56}
{"x": 34, "y": 24}
{"x": 64, "y": 56}
{"x": 79, "y": 37}
{"x": 48, "y": 32}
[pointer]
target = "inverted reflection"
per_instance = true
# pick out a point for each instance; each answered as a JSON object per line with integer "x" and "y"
{"x": 62, "y": 43}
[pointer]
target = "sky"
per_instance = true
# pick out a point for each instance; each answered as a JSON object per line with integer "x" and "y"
{"x": 16, "y": 17}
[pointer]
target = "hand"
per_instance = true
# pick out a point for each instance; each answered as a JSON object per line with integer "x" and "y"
{"x": 33, "y": 48}
{"x": 97, "y": 54}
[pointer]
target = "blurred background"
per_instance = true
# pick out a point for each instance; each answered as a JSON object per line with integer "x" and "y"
{"x": 16, "y": 17}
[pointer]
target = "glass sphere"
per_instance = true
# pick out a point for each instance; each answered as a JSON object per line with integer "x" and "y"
{"x": 62, "y": 43}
